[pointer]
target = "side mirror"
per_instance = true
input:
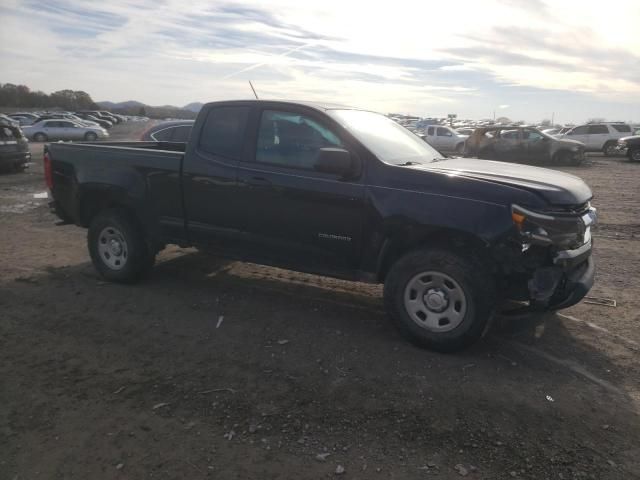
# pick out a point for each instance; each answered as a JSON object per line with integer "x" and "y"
{"x": 337, "y": 161}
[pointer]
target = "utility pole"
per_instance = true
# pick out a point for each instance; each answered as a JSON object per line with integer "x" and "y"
{"x": 553, "y": 115}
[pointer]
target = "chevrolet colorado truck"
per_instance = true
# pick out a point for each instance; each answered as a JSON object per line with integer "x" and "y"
{"x": 341, "y": 192}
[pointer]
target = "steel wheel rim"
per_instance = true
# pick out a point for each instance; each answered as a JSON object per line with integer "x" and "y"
{"x": 610, "y": 151}
{"x": 435, "y": 301}
{"x": 112, "y": 248}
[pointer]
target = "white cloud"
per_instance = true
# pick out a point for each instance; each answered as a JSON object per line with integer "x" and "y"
{"x": 411, "y": 56}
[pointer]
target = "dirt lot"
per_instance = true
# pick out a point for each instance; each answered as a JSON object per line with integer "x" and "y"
{"x": 225, "y": 370}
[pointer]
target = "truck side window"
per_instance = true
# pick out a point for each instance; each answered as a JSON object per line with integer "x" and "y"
{"x": 292, "y": 140}
{"x": 430, "y": 131}
{"x": 443, "y": 132}
{"x": 223, "y": 131}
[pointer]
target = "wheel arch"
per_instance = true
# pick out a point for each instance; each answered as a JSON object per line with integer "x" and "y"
{"x": 450, "y": 239}
{"x": 95, "y": 199}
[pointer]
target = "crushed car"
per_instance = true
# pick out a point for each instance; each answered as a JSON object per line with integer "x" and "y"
{"x": 14, "y": 147}
{"x": 523, "y": 145}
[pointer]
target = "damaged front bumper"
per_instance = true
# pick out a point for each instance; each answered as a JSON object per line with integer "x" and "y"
{"x": 547, "y": 276}
{"x": 564, "y": 283}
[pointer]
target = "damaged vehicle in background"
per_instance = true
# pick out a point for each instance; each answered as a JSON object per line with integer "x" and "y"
{"x": 14, "y": 148}
{"x": 523, "y": 145}
{"x": 630, "y": 146}
{"x": 340, "y": 192}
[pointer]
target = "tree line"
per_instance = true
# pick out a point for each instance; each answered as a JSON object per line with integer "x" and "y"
{"x": 21, "y": 96}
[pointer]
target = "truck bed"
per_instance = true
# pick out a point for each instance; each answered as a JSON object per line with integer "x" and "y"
{"x": 147, "y": 173}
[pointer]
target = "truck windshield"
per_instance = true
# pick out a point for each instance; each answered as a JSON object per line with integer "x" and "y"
{"x": 390, "y": 142}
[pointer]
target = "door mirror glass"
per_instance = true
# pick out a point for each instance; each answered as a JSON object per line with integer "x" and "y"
{"x": 337, "y": 161}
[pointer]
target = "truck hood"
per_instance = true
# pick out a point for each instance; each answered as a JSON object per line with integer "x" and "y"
{"x": 557, "y": 188}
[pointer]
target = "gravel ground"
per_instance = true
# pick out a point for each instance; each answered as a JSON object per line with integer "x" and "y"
{"x": 212, "y": 369}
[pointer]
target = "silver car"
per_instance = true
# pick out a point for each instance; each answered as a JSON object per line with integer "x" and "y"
{"x": 63, "y": 130}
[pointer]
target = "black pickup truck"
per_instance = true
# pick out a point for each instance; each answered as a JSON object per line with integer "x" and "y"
{"x": 341, "y": 192}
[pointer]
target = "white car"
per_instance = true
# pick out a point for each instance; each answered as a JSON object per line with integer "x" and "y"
{"x": 55, "y": 129}
{"x": 599, "y": 137}
{"x": 445, "y": 139}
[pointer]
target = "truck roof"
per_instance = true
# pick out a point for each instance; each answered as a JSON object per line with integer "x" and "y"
{"x": 316, "y": 105}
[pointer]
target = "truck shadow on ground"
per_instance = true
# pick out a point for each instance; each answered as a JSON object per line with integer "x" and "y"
{"x": 267, "y": 299}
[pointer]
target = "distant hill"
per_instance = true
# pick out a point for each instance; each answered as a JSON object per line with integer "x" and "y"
{"x": 194, "y": 107}
{"x": 133, "y": 107}
{"x": 127, "y": 104}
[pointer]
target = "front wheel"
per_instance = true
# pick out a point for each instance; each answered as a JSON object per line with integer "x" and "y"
{"x": 118, "y": 247}
{"x": 439, "y": 300}
{"x": 90, "y": 137}
{"x": 634, "y": 154}
{"x": 40, "y": 137}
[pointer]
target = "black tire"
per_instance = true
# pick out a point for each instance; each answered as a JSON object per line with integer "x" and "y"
{"x": 90, "y": 137}
{"x": 609, "y": 149}
{"x": 634, "y": 154}
{"x": 40, "y": 137}
{"x": 138, "y": 256}
{"x": 471, "y": 276}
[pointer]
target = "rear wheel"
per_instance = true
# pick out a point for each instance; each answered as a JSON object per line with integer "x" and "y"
{"x": 40, "y": 137}
{"x": 90, "y": 137}
{"x": 439, "y": 300}
{"x": 610, "y": 149}
{"x": 634, "y": 154}
{"x": 118, "y": 247}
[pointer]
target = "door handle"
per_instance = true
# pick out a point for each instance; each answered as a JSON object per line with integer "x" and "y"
{"x": 259, "y": 182}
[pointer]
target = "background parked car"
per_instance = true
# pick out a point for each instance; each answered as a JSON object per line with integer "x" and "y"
{"x": 599, "y": 137}
{"x": 100, "y": 121}
{"x": 6, "y": 120}
{"x": 14, "y": 147}
{"x": 465, "y": 131}
{"x": 523, "y": 144}
{"x": 445, "y": 139}
{"x": 631, "y": 147}
{"x": 63, "y": 130}
{"x": 175, "y": 131}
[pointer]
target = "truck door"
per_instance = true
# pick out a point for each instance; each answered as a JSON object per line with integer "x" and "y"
{"x": 298, "y": 216}
{"x": 212, "y": 201}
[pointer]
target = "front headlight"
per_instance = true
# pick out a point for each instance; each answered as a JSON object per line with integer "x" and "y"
{"x": 565, "y": 230}
{"x": 529, "y": 224}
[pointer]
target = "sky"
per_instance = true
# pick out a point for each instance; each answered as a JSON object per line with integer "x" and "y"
{"x": 524, "y": 59}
